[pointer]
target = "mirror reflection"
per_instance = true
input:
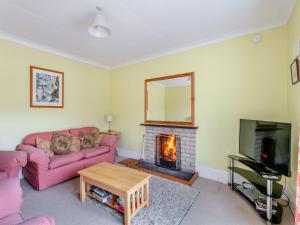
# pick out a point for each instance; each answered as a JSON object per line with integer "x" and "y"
{"x": 170, "y": 99}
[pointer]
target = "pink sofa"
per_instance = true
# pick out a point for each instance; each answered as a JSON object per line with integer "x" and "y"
{"x": 10, "y": 204}
{"x": 42, "y": 171}
{"x": 11, "y": 162}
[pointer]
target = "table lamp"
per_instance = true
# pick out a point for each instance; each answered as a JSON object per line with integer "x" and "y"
{"x": 109, "y": 119}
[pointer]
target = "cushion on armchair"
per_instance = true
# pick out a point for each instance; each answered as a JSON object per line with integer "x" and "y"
{"x": 12, "y": 219}
{"x": 39, "y": 220}
{"x": 10, "y": 163}
{"x": 11, "y": 196}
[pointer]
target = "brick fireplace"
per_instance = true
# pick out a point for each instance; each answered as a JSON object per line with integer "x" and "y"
{"x": 179, "y": 143}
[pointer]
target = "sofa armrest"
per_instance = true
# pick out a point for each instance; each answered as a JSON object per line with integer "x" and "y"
{"x": 10, "y": 196}
{"x": 11, "y": 161}
{"x": 39, "y": 220}
{"x": 111, "y": 141}
{"x": 33, "y": 154}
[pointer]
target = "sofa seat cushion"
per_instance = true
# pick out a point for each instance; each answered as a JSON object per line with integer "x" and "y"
{"x": 11, "y": 219}
{"x": 92, "y": 152}
{"x": 61, "y": 160}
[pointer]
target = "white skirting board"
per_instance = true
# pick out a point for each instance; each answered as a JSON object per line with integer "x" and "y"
{"x": 128, "y": 153}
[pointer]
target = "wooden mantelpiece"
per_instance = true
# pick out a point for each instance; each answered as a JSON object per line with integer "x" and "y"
{"x": 169, "y": 125}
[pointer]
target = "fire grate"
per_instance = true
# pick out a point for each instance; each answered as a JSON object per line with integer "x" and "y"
{"x": 168, "y": 151}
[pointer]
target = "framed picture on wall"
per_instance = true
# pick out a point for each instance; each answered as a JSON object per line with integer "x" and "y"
{"x": 46, "y": 88}
{"x": 295, "y": 71}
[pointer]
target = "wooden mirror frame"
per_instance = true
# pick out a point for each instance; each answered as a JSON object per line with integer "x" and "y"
{"x": 187, "y": 123}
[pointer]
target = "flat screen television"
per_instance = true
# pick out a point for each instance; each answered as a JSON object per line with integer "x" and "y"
{"x": 268, "y": 143}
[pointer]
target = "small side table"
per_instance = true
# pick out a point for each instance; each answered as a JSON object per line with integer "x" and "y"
{"x": 115, "y": 133}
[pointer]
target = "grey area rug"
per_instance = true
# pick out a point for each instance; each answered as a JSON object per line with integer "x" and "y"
{"x": 169, "y": 202}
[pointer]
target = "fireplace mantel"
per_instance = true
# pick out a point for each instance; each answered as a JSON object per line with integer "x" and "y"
{"x": 169, "y": 125}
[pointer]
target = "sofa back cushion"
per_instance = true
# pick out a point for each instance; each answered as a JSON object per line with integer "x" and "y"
{"x": 76, "y": 131}
{"x": 31, "y": 138}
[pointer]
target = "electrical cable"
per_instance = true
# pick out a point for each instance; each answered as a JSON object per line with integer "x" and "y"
{"x": 288, "y": 199}
{"x": 142, "y": 147}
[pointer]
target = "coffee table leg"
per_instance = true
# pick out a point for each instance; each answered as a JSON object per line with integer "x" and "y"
{"x": 146, "y": 186}
{"x": 127, "y": 210}
{"x": 82, "y": 189}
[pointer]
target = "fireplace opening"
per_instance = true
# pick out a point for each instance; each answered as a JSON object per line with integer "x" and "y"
{"x": 168, "y": 151}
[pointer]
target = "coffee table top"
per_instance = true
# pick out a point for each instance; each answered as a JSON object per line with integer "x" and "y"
{"x": 118, "y": 177}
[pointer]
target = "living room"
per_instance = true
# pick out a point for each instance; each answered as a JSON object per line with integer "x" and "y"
{"x": 242, "y": 64}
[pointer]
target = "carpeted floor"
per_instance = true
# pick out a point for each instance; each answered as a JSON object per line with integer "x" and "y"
{"x": 216, "y": 204}
{"x": 169, "y": 203}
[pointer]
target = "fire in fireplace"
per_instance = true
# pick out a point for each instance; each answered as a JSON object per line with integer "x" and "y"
{"x": 168, "y": 151}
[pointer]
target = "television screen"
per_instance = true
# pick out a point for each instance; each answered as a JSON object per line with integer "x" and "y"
{"x": 268, "y": 143}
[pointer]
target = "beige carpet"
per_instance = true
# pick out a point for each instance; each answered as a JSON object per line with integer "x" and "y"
{"x": 215, "y": 205}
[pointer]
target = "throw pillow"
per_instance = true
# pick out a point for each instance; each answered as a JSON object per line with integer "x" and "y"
{"x": 44, "y": 145}
{"x": 98, "y": 138}
{"x": 88, "y": 140}
{"x": 75, "y": 144}
{"x": 61, "y": 144}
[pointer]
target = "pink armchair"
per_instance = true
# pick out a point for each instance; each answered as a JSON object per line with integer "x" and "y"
{"x": 10, "y": 204}
{"x": 11, "y": 162}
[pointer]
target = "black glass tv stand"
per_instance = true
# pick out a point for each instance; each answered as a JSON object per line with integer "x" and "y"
{"x": 265, "y": 183}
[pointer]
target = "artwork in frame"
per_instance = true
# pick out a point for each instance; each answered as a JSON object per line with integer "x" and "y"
{"x": 295, "y": 71}
{"x": 46, "y": 88}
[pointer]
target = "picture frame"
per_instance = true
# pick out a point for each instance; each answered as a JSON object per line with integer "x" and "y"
{"x": 46, "y": 88}
{"x": 295, "y": 71}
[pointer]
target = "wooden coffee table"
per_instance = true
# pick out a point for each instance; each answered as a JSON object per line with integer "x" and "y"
{"x": 130, "y": 184}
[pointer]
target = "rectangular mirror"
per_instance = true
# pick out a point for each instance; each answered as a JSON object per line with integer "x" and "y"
{"x": 170, "y": 99}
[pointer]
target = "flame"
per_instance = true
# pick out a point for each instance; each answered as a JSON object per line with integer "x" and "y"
{"x": 169, "y": 148}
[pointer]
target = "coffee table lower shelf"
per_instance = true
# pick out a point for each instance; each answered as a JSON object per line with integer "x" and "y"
{"x": 110, "y": 203}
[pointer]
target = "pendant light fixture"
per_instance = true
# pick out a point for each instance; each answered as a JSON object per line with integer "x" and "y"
{"x": 99, "y": 27}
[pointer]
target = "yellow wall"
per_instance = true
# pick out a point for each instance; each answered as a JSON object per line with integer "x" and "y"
{"x": 86, "y": 94}
{"x": 178, "y": 103}
{"x": 234, "y": 79}
{"x": 294, "y": 92}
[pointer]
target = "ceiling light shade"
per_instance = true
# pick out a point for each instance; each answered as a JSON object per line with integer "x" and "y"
{"x": 99, "y": 27}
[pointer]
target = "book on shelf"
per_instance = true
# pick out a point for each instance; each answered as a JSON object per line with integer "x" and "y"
{"x": 100, "y": 194}
{"x": 119, "y": 207}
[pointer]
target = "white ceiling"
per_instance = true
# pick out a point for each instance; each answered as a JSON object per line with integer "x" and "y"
{"x": 141, "y": 29}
